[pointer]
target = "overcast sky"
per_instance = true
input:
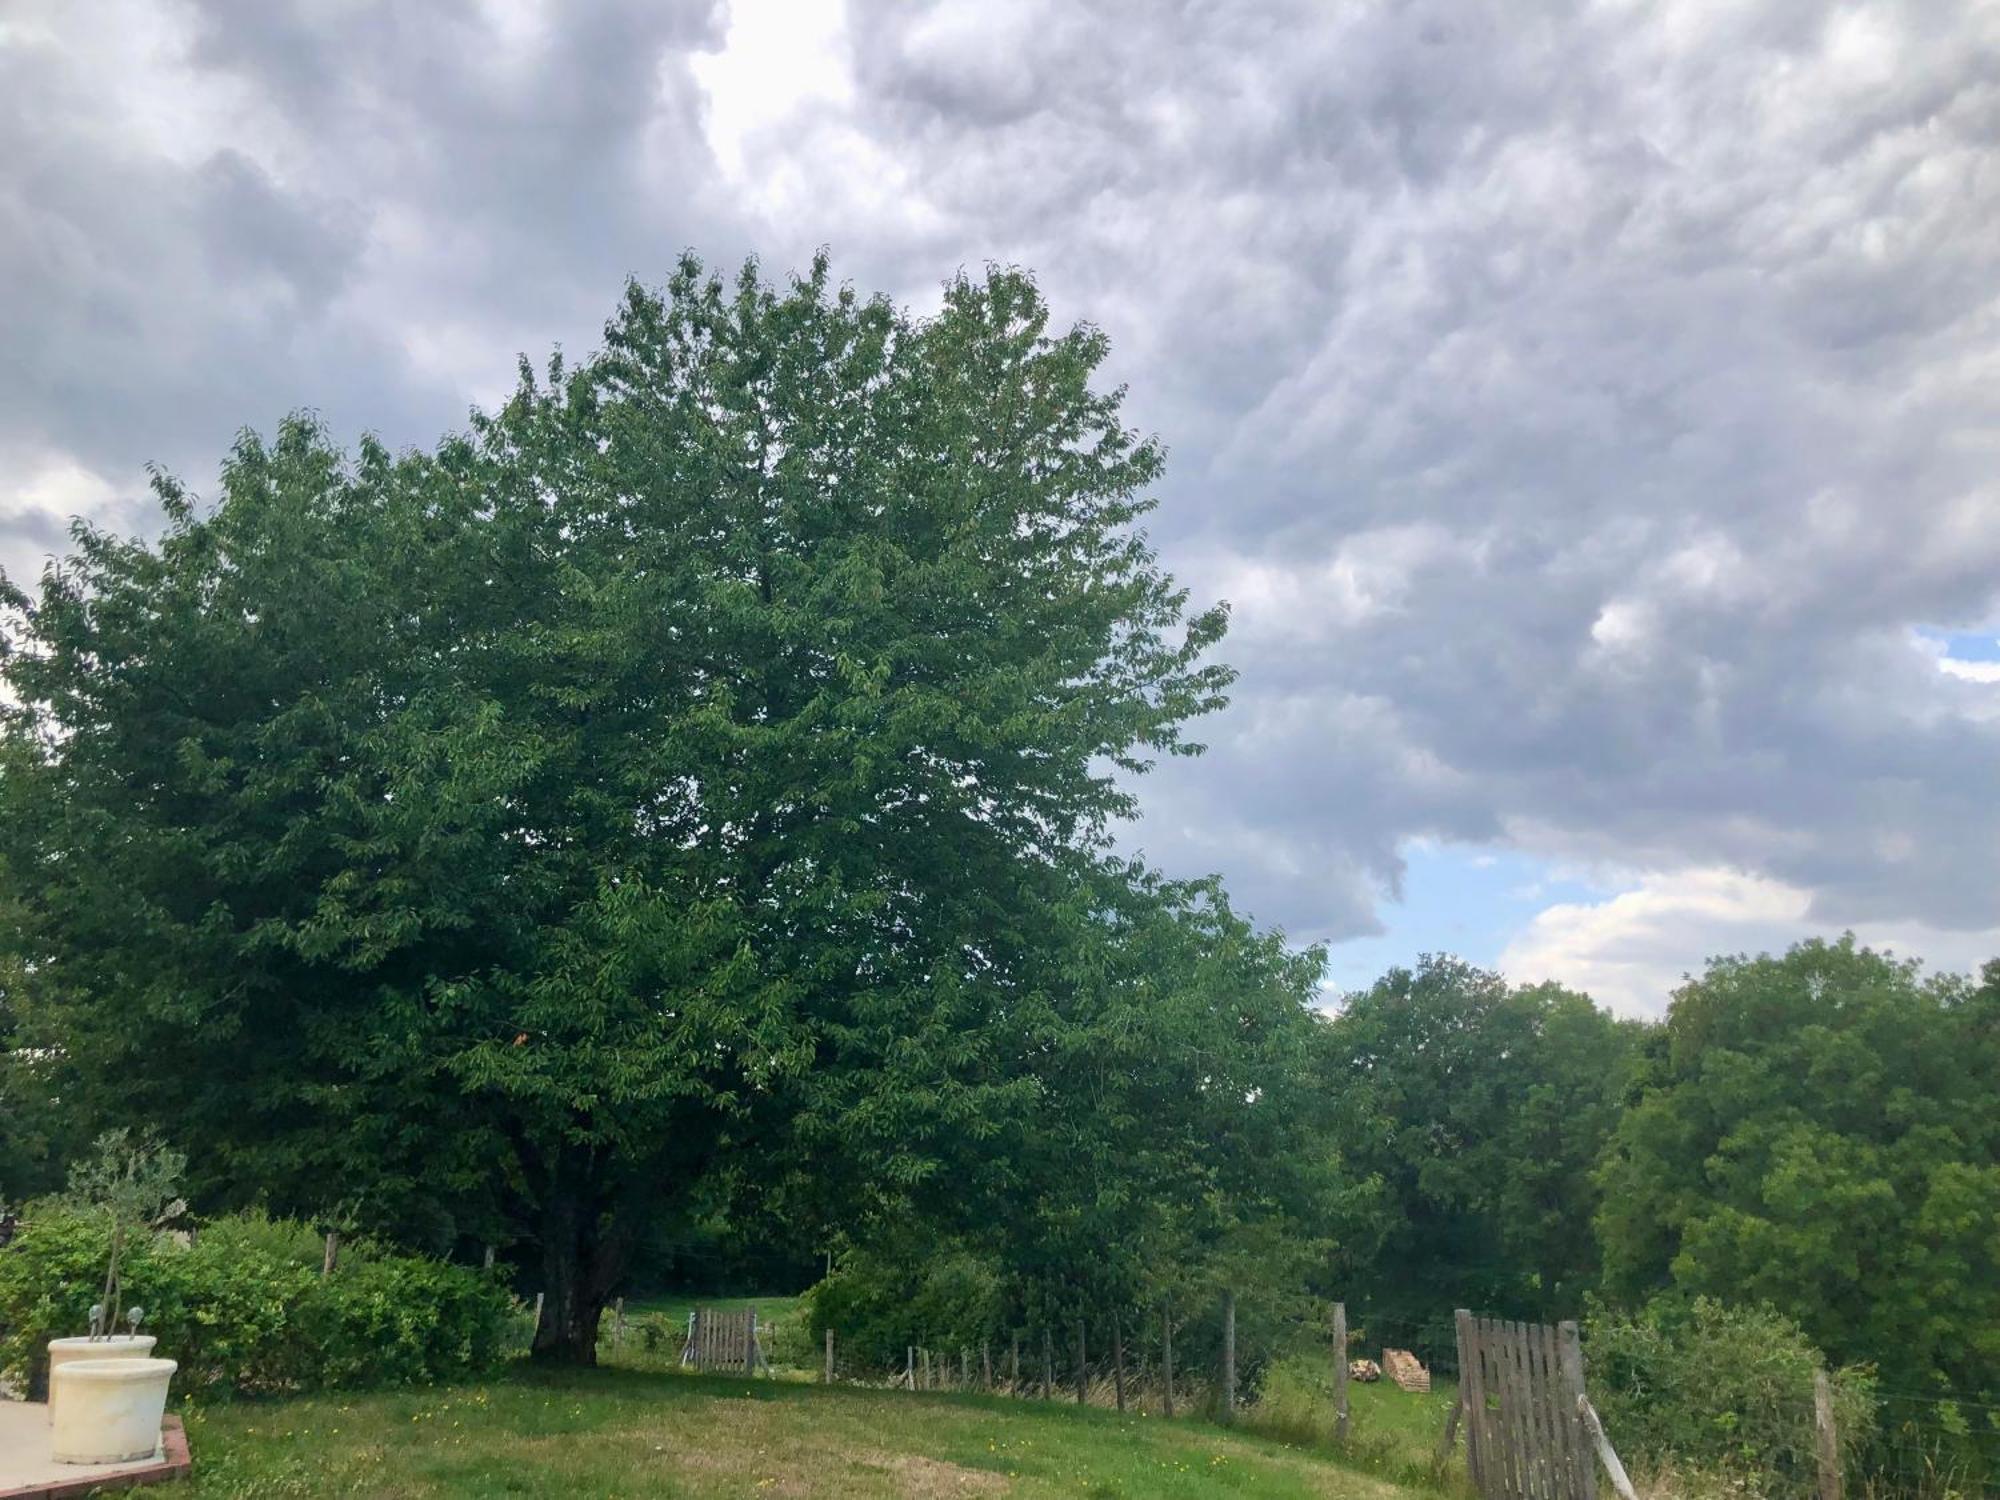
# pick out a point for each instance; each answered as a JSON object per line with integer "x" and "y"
{"x": 1592, "y": 411}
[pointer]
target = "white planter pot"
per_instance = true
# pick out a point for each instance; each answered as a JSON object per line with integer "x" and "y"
{"x": 107, "y": 1411}
{"x": 118, "y": 1346}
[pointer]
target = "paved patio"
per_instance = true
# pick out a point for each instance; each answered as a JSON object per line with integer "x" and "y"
{"x": 27, "y": 1472}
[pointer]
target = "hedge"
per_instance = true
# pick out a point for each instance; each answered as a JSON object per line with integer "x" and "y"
{"x": 245, "y": 1308}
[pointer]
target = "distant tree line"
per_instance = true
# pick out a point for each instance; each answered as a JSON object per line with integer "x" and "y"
{"x": 1817, "y": 1133}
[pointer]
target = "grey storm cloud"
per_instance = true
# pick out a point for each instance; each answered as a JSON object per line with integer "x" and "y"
{"x": 1579, "y": 404}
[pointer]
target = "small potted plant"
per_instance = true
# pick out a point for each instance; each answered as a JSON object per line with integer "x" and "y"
{"x": 106, "y": 1394}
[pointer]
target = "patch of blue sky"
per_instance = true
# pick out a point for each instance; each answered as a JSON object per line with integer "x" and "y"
{"x": 1964, "y": 645}
{"x": 1456, "y": 899}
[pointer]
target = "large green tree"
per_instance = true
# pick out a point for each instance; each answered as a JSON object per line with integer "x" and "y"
{"x": 1478, "y": 1110}
{"x": 36, "y": 1130}
{"x": 1174, "y": 1145}
{"x": 1182, "y": 1146}
{"x": 1821, "y": 1132}
{"x": 661, "y": 781}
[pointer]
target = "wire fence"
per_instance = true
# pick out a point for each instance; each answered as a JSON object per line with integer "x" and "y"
{"x": 1204, "y": 1361}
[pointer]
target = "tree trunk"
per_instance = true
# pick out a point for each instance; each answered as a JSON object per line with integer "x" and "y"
{"x": 583, "y": 1259}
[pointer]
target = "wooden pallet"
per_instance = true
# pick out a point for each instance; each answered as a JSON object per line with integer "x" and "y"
{"x": 1406, "y": 1370}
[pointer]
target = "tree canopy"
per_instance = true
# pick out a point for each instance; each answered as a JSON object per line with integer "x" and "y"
{"x": 1819, "y": 1132}
{"x": 1476, "y": 1111}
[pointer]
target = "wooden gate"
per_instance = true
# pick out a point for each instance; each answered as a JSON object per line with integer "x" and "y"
{"x": 1519, "y": 1387}
{"x": 719, "y": 1340}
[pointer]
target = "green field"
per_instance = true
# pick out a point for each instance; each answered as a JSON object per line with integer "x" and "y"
{"x": 625, "y": 1432}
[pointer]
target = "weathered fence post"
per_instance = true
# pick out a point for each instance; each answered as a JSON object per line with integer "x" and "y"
{"x": 1620, "y": 1480}
{"x": 488, "y": 1263}
{"x": 829, "y": 1356}
{"x": 925, "y": 1355}
{"x": 986, "y": 1364}
{"x": 1569, "y": 1356}
{"x": 1118, "y": 1357}
{"x": 1340, "y": 1372}
{"x": 749, "y": 1338}
{"x": 1443, "y": 1455}
{"x": 1167, "y": 1360}
{"x": 1082, "y": 1365}
{"x": 332, "y": 1252}
{"x": 1472, "y": 1396}
{"x": 1048, "y": 1361}
{"x": 1229, "y": 1356}
{"x": 910, "y": 1365}
{"x": 1829, "y": 1440}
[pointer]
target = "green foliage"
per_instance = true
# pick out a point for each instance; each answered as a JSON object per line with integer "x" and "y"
{"x": 1477, "y": 1111}
{"x": 35, "y": 1133}
{"x": 650, "y": 801}
{"x": 1722, "y": 1391}
{"x": 879, "y": 1304}
{"x": 37, "y": 1136}
{"x": 1820, "y": 1132}
{"x": 1176, "y": 1149}
{"x": 241, "y": 1310}
{"x": 253, "y": 1232}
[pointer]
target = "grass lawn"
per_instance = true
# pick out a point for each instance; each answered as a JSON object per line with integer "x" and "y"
{"x": 630, "y": 1432}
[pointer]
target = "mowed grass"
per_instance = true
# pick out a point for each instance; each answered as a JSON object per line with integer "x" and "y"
{"x": 625, "y": 1432}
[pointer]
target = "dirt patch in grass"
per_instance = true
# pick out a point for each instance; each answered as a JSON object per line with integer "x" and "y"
{"x": 750, "y": 1446}
{"x": 922, "y": 1478}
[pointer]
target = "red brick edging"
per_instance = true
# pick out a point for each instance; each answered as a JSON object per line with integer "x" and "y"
{"x": 173, "y": 1463}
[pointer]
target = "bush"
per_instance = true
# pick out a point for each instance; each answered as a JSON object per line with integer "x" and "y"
{"x": 880, "y": 1305}
{"x": 245, "y": 1308}
{"x": 1702, "y": 1388}
{"x": 253, "y": 1231}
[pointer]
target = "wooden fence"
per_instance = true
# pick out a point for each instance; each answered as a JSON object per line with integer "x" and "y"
{"x": 719, "y": 1340}
{"x": 1521, "y": 1400}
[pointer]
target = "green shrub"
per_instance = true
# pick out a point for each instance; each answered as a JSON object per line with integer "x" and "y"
{"x": 253, "y": 1230}
{"x": 879, "y": 1305}
{"x": 787, "y": 1341}
{"x": 657, "y": 1335}
{"x": 245, "y": 1308}
{"x": 1702, "y": 1388}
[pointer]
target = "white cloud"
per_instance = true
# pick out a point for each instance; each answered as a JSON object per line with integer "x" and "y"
{"x": 1632, "y": 949}
{"x": 1970, "y": 671}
